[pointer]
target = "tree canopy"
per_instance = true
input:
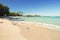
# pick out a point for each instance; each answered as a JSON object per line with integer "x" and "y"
{"x": 4, "y": 10}
{"x": 15, "y": 14}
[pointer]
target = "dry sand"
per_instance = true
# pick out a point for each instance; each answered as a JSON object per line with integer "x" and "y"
{"x": 26, "y": 31}
{"x": 9, "y": 32}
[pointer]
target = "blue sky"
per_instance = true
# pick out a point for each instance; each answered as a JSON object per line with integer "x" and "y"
{"x": 42, "y": 7}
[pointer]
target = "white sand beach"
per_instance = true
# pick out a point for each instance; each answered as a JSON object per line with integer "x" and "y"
{"x": 26, "y": 31}
{"x": 9, "y": 32}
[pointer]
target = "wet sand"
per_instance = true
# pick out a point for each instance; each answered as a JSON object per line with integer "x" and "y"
{"x": 33, "y": 31}
{"x": 26, "y": 31}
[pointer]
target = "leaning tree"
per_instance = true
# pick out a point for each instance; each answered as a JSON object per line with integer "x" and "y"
{"x": 4, "y": 10}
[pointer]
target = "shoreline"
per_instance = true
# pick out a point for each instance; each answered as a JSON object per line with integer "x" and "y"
{"x": 50, "y": 26}
{"x": 22, "y": 30}
{"x": 34, "y": 31}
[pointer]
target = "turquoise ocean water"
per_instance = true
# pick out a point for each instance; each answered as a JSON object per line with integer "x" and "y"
{"x": 55, "y": 20}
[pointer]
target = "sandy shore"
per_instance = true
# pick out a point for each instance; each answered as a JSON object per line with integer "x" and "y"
{"x": 9, "y": 32}
{"x": 26, "y": 31}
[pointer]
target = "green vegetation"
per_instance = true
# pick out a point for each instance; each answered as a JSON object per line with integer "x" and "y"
{"x": 4, "y": 11}
{"x": 32, "y": 15}
{"x": 15, "y": 14}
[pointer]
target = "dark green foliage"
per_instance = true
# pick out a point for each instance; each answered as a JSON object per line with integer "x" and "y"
{"x": 33, "y": 15}
{"x": 4, "y": 10}
{"x": 29, "y": 15}
{"x": 15, "y": 14}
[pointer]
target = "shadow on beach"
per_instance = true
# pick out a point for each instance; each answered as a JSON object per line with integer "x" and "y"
{"x": 11, "y": 18}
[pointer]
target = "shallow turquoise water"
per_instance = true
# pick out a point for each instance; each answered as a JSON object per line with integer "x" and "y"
{"x": 49, "y": 20}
